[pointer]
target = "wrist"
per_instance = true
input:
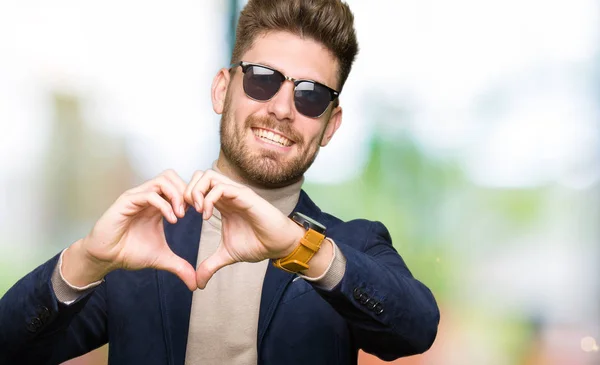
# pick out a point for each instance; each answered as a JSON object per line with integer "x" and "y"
{"x": 321, "y": 261}
{"x": 79, "y": 268}
{"x": 295, "y": 235}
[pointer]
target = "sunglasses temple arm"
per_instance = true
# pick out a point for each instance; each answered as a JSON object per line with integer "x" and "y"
{"x": 234, "y": 65}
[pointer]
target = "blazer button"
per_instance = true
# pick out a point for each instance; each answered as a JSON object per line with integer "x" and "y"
{"x": 378, "y": 309}
{"x": 44, "y": 314}
{"x": 372, "y": 304}
{"x": 357, "y": 293}
{"x": 364, "y": 299}
{"x": 34, "y": 325}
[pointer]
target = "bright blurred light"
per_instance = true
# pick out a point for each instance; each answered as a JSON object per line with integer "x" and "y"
{"x": 588, "y": 344}
{"x": 496, "y": 84}
{"x": 142, "y": 71}
{"x": 440, "y": 59}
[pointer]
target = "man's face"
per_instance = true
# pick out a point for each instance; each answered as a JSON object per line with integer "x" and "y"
{"x": 270, "y": 143}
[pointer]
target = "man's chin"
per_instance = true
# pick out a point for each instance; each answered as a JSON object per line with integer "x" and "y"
{"x": 269, "y": 171}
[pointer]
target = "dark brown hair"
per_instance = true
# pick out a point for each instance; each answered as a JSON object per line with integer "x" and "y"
{"x": 328, "y": 22}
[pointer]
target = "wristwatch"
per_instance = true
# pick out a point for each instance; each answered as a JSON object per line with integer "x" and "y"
{"x": 309, "y": 245}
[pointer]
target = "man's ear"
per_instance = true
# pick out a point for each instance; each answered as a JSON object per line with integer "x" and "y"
{"x": 335, "y": 120}
{"x": 219, "y": 90}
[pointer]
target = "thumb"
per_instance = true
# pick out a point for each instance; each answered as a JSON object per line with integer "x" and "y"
{"x": 211, "y": 265}
{"x": 180, "y": 267}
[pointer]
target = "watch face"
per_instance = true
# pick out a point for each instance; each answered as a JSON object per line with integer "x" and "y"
{"x": 308, "y": 223}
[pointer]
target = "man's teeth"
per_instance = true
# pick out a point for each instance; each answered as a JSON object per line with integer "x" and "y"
{"x": 271, "y": 137}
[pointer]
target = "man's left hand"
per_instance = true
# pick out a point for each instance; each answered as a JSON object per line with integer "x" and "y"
{"x": 252, "y": 229}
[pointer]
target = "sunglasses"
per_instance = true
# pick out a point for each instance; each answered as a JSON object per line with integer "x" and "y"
{"x": 261, "y": 83}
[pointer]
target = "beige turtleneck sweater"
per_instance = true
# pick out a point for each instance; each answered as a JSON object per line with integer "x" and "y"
{"x": 223, "y": 329}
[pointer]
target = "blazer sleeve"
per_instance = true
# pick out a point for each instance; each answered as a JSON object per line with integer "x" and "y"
{"x": 35, "y": 328}
{"x": 390, "y": 313}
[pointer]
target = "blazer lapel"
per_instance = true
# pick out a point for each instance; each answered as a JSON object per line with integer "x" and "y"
{"x": 175, "y": 298}
{"x": 273, "y": 286}
{"x": 277, "y": 280}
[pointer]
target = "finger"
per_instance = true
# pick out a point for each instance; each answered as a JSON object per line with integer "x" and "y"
{"x": 165, "y": 187}
{"x": 180, "y": 267}
{"x": 211, "y": 265}
{"x": 149, "y": 184}
{"x": 137, "y": 202}
{"x": 206, "y": 182}
{"x": 187, "y": 195}
{"x": 215, "y": 194}
{"x": 162, "y": 185}
{"x": 180, "y": 186}
{"x": 215, "y": 177}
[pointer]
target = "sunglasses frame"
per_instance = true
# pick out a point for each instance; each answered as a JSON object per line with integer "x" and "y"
{"x": 333, "y": 94}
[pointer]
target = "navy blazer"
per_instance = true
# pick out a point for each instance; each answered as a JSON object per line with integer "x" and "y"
{"x": 144, "y": 315}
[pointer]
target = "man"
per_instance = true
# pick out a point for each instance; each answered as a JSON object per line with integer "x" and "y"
{"x": 281, "y": 281}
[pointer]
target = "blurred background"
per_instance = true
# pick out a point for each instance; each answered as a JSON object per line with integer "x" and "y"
{"x": 471, "y": 129}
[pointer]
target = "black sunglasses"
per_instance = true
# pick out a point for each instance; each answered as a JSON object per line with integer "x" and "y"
{"x": 261, "y": 83}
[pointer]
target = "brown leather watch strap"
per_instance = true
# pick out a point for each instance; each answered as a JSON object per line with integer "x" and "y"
{"x": 299, "y": 258}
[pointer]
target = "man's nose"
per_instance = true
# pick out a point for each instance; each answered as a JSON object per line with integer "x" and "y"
{"x": 281, "y": 106}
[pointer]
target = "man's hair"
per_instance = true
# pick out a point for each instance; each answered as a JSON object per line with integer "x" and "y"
{"x": 328, "y": 22}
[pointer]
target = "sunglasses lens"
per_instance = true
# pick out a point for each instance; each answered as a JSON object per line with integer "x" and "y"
{"x": 261, "y": 83}
{"x": 311, "y": 99}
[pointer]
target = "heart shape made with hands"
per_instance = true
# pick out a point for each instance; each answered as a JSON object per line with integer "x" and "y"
{"x": 130, "y": 234}
{"x": 252, "y": 229}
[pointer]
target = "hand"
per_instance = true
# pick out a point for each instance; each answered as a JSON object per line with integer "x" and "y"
{"x": 252, "y": 229}
{"x": 130, "y": 235}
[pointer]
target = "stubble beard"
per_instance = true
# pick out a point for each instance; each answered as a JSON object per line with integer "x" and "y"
{"x": 263, "y": 168}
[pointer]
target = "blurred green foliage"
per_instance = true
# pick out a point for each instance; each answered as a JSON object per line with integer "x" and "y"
{"x": 429, "y": 206}
{"x": 403, "y": 189}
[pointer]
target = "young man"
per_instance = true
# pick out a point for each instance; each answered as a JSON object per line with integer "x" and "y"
{"x": 282, "y": 282}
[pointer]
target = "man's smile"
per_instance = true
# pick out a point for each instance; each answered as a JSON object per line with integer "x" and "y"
{"x": 272, "y": 137}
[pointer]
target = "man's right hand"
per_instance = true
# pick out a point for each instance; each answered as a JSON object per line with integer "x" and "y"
{"x": 130, "y": 235}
